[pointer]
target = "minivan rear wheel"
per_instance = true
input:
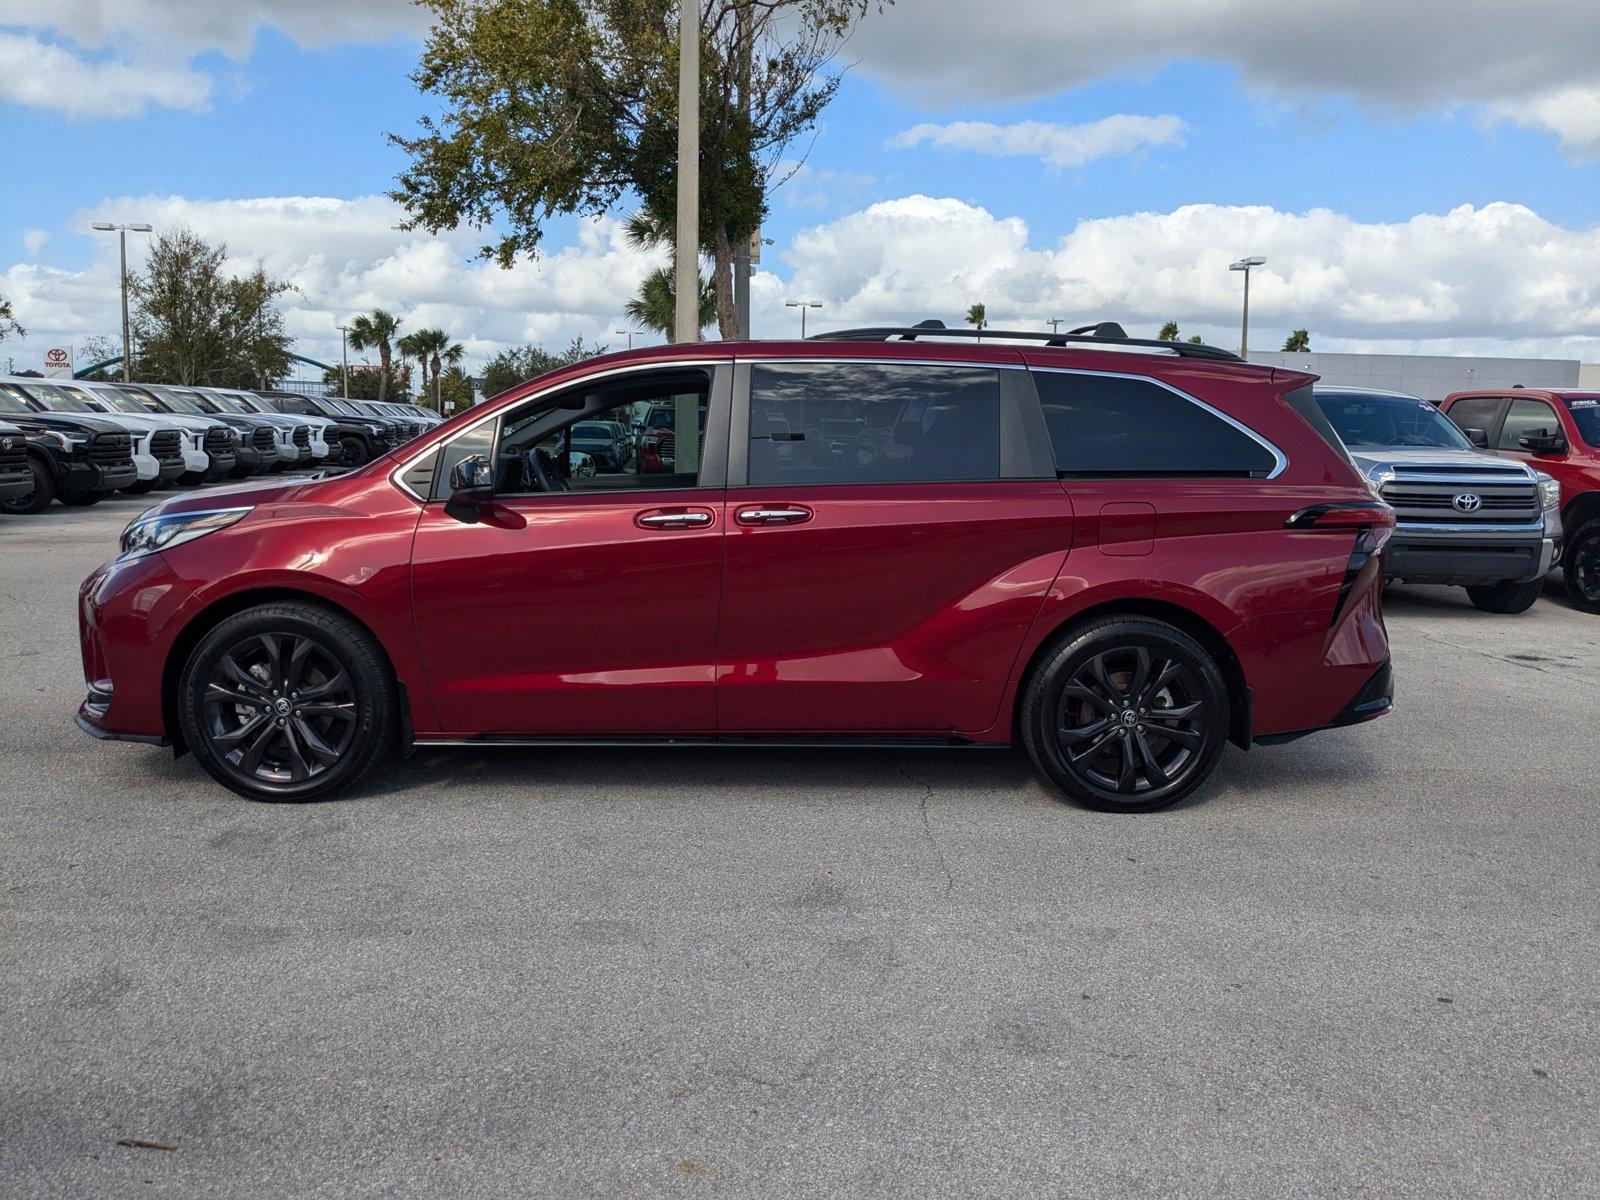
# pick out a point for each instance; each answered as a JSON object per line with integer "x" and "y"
{"x": 1127, "y": 714}
{"x": 288, "y": 701}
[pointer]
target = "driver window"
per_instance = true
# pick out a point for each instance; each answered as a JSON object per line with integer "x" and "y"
{"x": 630, "y": 436}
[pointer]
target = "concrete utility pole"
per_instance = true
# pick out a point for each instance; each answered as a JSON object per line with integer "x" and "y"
{"x": 344, "y": 360}
{"x": 686, "y": 317}
{"x": 1244, "y": 264}
{"x": 127, "y": 335}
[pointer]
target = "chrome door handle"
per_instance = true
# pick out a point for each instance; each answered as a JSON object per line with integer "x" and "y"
{"x": 683, "y": 520}
{"x": 773, "y": 516}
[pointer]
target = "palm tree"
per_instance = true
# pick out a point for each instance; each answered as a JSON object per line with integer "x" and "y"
{"x": 373, "y": 331}
{"x": 978, "y": 317}
{"x": 1298, "y": 342}
{"x": 1169, "y": 332}
{"x": 433, "y": 348}
{"x": 655, "y": 307}
{"x": 411, "y": 346}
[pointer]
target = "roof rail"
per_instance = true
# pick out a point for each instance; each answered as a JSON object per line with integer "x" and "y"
{"x": 1102, "y": 334}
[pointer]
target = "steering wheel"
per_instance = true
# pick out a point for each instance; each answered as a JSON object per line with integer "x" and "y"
{"x": 545, "y": 472}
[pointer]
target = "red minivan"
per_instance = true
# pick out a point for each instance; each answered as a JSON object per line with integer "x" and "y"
{"x": 1119, "y": 553}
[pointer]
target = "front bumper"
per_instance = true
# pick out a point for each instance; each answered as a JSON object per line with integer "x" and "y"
{"x": 1471, "y": 561}
{"x": 16, "y": 482}
{"x": 82, "y": 478}
{"x": 127, "y": 621}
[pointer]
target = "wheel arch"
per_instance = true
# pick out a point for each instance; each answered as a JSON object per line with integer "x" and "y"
{"x": 208, "y": 618}
{"x": 1585, "y": 507}
{"x": 1240, "y": 720}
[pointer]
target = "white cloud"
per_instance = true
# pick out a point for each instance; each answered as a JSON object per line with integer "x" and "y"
{"x": 108, "y": 58}
{"x": 1393, "y": 57}
{"x": 1053, "y": 144}
{"x": 41, "y": 75}
{"x": 35, "y": 240}
{"x": 1488, "y": 280}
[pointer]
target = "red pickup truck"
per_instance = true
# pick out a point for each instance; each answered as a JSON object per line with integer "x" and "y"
{"x": 1557, "y": 432}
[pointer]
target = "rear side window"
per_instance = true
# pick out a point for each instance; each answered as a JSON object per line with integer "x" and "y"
{"x": 1112, "y": 425}
{"x": 872, "y": 423}
{"x": 1527, "y": 416}
{"x": 1585, "y": 412}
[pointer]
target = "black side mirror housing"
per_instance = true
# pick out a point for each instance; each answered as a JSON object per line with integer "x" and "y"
{"x": 471, "y": 487}
{"x": 1542, "y": 441}
{"x": 1478, "y": 437}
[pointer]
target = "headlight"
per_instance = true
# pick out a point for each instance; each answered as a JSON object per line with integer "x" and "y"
{"x": 1550, "y": 492}
{"x": 70, "y": 442}
{"x": 146, "y": 535}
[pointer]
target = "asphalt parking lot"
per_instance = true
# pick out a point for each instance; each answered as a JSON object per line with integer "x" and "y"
{"x": 1366, "y": 962}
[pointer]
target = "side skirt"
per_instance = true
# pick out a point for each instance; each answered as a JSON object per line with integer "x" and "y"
{"x": 498, "y": 741}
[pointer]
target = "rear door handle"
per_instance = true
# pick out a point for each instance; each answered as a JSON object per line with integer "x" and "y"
{"x": 778, "y": 514}
{"x": 668, "y": 518}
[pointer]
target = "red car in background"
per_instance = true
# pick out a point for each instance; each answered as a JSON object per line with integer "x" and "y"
{"x": 1557, "y": 432}
{"x": 1120, "y": 554}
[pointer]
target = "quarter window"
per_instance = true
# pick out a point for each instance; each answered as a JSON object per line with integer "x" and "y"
{"x": 820, "y": 423}
{"x": 1109, "y": 425}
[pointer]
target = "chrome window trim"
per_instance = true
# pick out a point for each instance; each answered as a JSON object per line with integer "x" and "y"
{"x": 627, "y": 369}
{"x": 1279, "y": 457}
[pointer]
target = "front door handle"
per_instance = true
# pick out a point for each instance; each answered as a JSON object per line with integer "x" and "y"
{"x": 681, "y": 518}
{"x": 785, "y": 514}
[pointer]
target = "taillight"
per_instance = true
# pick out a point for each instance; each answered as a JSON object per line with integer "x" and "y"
{"x": 1371, "y": 521}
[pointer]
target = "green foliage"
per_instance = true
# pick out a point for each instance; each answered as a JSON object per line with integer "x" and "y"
{"x": 554, "y": 107}
{"x": 1298, "y": 342}
{"x": 522, "y": 363}
{"x": 1169, "y": 332}
{"x": 96, "y": 349}
{"x": 1196, "y": 339}
{"x": 8, "y": 323}
{"x": 375, "y": 331}
{"x": 366, "y": 380}
{"x": 196, "y": 323}
{"x": 655, "y": 308}
{"x": 978, "y": 317}
{"x": 455, "y": 387}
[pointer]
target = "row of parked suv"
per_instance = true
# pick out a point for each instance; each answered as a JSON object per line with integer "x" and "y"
{"x": 78, "y": 441}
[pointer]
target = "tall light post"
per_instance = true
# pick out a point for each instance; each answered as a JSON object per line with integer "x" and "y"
{"x": 1244, "y": 264}
{"x": 344, "y": 360}
{"x": 628, "y": 333}
{"x": 1055, "y": 324}
{"x": 122, "y": 239}
{"x": 686, "y": 275}
{"x": 802, "y": 305}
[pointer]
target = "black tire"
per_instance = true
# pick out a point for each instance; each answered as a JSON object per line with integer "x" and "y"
{"x": 1582, "y": 570}
{"x": 1082, "y": 716}
{"x": 288, "y": 701}
{"x": 36, "y": 501}
{"x": 1506, "y": 597}
{"x": 82, "y": 499}
{"x": 142, "y": 488}
{"x": 354, "y": 452}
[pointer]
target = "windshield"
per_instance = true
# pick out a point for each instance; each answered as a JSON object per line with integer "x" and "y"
{"x": 179, "y": 402}
{"x": 1585, "y": 410}
{"x": 11, "y": 400}
{"x": 226, "y": 403}
{"x": 591, "y": 431}
{"x": 341, "y": 406}
{"x": 123, "y": 401}
{"x": 59, "y": 399}
{"x": 1373, "y": 419}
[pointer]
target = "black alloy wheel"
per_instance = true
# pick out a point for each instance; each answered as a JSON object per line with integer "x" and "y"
{"x": 1126, "y": 715}
{"x": 287, "y": 702}
{"x": 353, "y": 452}
{"x": 1583, "y": 567}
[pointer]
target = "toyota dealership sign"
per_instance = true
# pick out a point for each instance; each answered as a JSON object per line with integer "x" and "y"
{"x": 58, "y": 361}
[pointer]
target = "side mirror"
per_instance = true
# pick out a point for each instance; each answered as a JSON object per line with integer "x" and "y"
{"x": 471, "y": 486}
{"x": 1478, "y": 437}
{"x": 1542, "y": 441}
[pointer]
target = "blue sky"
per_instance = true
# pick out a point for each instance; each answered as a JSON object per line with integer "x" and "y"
{"x": 291, "y": 114}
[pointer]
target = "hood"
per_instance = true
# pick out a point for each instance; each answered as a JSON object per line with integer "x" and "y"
{"x": 1374, "y": 460}
{"x": 83, "y": 422}
{"x": 166, "y": 420}
{"x": 243, "y": 495}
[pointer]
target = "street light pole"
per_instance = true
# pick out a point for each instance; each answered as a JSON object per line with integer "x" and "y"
{"x": 802, "y": 305}
{"x": 344, "y": 360}
{"x": 122, "y": 245}
{"x": 686, "y": 314}
{"x": 628, "y": 333}
{"x": 1245, "y": 264}
{"x": 1055, "y": 324}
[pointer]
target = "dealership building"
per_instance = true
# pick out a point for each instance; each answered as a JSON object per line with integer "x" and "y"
{"x": 1435, "y": 376}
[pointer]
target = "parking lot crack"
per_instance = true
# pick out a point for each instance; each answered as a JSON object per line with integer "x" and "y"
{"x": 927, "y": 829}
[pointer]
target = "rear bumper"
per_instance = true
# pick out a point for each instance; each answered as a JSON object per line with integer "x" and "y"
{"x": 1374, "y": 699}
{"x": 1423, "y": 559}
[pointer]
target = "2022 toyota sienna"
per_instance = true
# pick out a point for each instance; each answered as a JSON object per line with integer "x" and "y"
{"x": 1120, "y": 554}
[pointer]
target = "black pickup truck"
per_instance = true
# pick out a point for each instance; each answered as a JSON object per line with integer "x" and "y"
{"x": 74, "y": 457}
{"x": 16, "y": 477}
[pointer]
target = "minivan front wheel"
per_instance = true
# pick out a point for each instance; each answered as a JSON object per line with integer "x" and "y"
{"x": 288, "y": 701}
{"x": 1127, "y": 714}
